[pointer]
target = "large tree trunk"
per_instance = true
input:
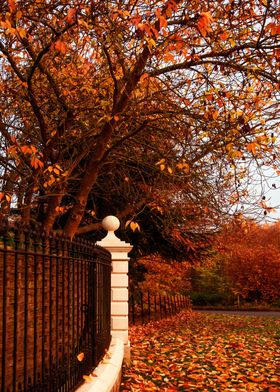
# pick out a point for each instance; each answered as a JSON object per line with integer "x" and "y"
{"x": 51, "y": 213}
{"x": 121, "y": 102}
{"x": 26, "y": 212}
{"x": 88, "y": 181}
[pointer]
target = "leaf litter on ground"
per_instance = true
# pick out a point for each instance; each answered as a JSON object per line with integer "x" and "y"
{"x": 204, "y": 352}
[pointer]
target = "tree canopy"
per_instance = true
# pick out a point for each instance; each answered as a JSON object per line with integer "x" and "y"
{"x": 120, "y": 106}
{"x": 248, "y": 256}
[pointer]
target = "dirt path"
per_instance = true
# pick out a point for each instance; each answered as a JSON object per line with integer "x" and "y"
{"x": 243, "y": 312}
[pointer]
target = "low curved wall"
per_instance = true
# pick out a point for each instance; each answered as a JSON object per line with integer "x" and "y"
{"x": 107, "y": 375}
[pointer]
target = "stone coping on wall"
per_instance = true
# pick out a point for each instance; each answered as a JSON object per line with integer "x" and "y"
{"x": 107, "y": 375}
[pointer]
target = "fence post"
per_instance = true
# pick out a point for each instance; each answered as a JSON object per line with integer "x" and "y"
{"x": 119, "y": 281}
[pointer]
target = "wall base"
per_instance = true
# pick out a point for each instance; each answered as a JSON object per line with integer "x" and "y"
{"x": 108, "y": 372}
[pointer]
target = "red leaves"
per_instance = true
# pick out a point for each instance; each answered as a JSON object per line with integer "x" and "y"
{"x": 164, "y": 276}
{"x": 36, "y": 163}
{"x": 60, "y": 46}
{"x": 224, "y": 36}
{"x": 273, "y": 28}
{"x": 204, "y": 23}
{"x": 250, "y": 257}
{"x": 12, "y": 5}
{"x": 71, "y": 16}
{"x": 193, "y": 352}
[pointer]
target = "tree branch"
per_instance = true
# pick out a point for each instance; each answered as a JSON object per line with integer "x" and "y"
{"x": 97, "y": 226}
{"x": 123, "y": 139}
{"x": 12, "y": 62}
{"x": 46, "y": 49}
{"x": 192, "y": 63}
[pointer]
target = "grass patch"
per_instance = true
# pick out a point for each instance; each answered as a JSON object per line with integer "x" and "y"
{"x": 205, "y": 352}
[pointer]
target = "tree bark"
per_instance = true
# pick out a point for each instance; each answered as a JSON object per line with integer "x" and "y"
{"x": 127, "y": 211}
{"x": 89, "y": 179}
{"x": 92, "y": 168}
{"x": 51, "y": 213}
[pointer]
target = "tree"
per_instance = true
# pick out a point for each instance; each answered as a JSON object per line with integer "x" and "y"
{"x": 249, "y": 257}
{"x": 179, "y": 93}
{"x": 164, "y": 276}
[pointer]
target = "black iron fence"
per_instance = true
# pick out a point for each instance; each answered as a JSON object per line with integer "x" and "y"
{"x": 146, "y": 307}
{"x": 54, "y": 310}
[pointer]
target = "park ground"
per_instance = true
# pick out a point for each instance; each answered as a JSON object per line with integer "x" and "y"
{"x": 205, "y": 352}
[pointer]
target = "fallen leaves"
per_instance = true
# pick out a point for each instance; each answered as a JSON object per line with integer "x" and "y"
{"x": 200, "y": 352}
{"x": 90, "y": 377}
{"x": 80, "y": 357}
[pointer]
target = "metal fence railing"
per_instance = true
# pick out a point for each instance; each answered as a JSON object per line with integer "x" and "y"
{"x": 146, "y": 307}
{"x": 54, "y": 305}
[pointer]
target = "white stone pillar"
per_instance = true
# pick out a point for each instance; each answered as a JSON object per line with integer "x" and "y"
{"x": 119, "y": 281}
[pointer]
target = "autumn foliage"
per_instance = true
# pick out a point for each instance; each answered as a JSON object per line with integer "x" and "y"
{"x": 122, "y": 105}
{"x": 241, "y": 263}
{"x": 164, "y": 277}
{"x": 249, "y": 255}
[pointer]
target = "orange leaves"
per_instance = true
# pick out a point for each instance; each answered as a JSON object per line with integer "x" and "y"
{"x": 89, "y": 378}
{"x": 21, "y": 32}
{"x": 5, "y": 197}
{"x": 161, "y": 18}
{"x": 80, "y": 357}
{"x": 12, "y": 5}
{"x": 204, "y": 23}
{"x": 171, "y": 7}
{"x": 60, "y": 46}
{"x": 266, "y": 207}
{"x": 56, "y": 169}
{"x": 136, "y": 19}
{"x": 184, "y": 166}
{"x": 71, "y": 16}
{"x": 164, "y": 276}
{"x": 36, "y": 163}
{"x": 54, "y": 174}
{"x": 162, "y": 22}
{"x": 273, "y": 28}
{"x": 134, "y": 226}
{"x": 29, "y": 151}
{"x": 250, "y": 257}
{"x": 232, "y": 153}
{"x": 8, "y": 27}
{"x": 162, "y": 165}
{"x": 224, "y": 36}
{"x": 215, "y": 114}
{"x": 253, "y": 147}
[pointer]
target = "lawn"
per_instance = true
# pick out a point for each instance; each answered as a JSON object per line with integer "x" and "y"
{"x": 205, "y": 352}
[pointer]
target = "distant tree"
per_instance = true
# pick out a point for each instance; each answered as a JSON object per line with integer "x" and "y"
{"x": 250, "y": 257}
{"x": 164, "y": 277}
{"x": 166, "y": 102}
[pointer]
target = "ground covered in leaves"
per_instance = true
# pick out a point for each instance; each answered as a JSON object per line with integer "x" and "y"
{"x": 205, "y": 352}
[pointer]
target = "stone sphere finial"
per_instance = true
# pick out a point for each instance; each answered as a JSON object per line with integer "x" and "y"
{"x": 110, "y": 223}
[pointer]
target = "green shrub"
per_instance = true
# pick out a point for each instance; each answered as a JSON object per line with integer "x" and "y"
{"x": 209, "y": 299}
